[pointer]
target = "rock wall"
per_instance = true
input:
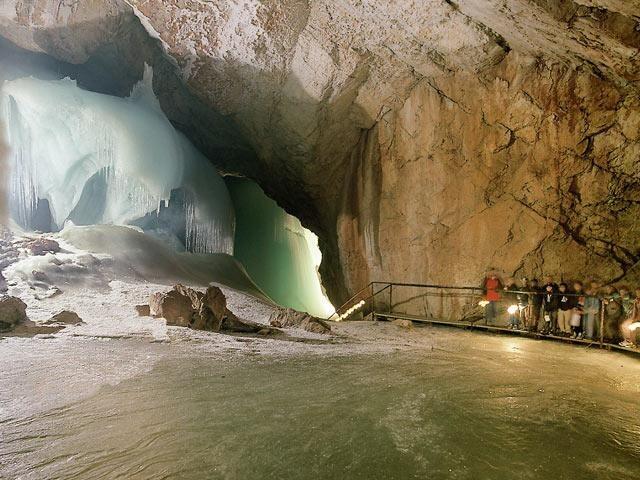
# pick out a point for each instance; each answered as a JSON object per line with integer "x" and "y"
{"x": 421, "y": 140}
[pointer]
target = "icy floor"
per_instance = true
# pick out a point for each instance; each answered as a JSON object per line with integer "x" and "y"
{"x": 125, "y": 396}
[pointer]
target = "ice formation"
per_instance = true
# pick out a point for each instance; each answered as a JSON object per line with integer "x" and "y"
{"x": 280, "y": 255}
{"x": 98, "y": 159}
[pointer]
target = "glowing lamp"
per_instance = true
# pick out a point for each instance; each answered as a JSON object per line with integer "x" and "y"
{"x": 513, "y": 309}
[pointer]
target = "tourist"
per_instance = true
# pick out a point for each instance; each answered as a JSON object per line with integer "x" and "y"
{"x": 591, "y": 312}
{"x": 626, "y": 301}
{"x": 548, "y": 280}
{"x": 549, "y": 309}
{"x": 578, "y": 310}
{"x": 613, "y": 315}
{"x": 565, "y": 309}
{"x": 629, "y": 335}
{"x": 523, "y": 302}
{"x": 534, "y": 306}
{"x": 511, "y": 297}
{"x": 492, "y": 286}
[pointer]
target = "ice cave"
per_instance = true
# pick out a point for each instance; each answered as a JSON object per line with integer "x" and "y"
{"x": 319, "y": 239}
{"x": 80, "y": 158}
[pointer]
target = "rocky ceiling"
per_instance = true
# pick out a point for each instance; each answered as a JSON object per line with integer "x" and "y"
{"x": 422, "y": 140}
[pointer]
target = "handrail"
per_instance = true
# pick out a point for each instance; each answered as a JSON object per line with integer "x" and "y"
{"x": 353, "y": 297}
{"x": 444, "y": 287}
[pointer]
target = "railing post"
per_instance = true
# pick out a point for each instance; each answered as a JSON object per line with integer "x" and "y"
{"x": 390, "y": 298}
{"x": 373, "y": 301}
{"x": 602, "y": 307}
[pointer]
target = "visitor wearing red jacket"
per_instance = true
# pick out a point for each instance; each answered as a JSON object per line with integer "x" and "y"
{"x": 492, "y": 286}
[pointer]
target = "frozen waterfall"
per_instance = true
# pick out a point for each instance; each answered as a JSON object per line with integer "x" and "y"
{"x": 91, "y": 158}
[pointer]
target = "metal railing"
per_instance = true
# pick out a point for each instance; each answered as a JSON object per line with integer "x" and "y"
{"x": 466, "y": 307}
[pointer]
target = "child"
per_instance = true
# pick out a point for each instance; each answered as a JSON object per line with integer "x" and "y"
{"x": 565, "y": 309}
{"x": 578, "y": 310}
{"x": 549, "y": 309}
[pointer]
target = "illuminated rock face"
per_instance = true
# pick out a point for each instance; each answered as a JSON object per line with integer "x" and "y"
{"x": 422, "y": 141}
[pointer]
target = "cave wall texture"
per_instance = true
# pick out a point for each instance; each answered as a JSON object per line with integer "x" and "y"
{"x": 422, "y": 141}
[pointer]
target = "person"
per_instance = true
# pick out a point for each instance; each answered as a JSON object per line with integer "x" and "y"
{"x": 549, "y": 309}
{"x": 626, "y": 301}
{"x": 591, "y": 312}
{"x": 577, "y": 311}
{"x": 523, "y": 302}
{"x": 548, "y": 280}
{"x": 492, "y": 286}
{"x": 612, "y": 315}
{"x": 511, "y": 297}
{"x": 565, "y": 308}
{"x": 630, "y": 334}
{"x": 534, "y": 306}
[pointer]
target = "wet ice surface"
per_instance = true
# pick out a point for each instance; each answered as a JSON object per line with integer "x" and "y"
{"x": 128, "y": 397}
{"x": 375, "y": 401}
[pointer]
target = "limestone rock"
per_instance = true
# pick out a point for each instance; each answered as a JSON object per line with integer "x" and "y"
{"x": 186, "y": 307}
{"x": 13, "y": 311}
{"x": 288, "y": 317}
{"x": 143, "y": 310}
{"x": 29, "y": 328}
{"x": 65, "y": 317}
{"x": 175, "y": 307}
{"x": 408, "y": 324}
{"x": 42, "y": 246}
{"x": 216, "y": 301}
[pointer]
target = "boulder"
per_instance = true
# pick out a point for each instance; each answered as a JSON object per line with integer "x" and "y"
{"x": 42, "y": 246}
{"x": 231, "y": 323}
{"x": 30, "y": 329}
{"x": 175, "y": 307}
{"x": 3, "y": 284}
{"x": 143, "y": 310}
{"x": 216, "y": 301}
{"x": 288, "y": 317}
{"x": 186, "y": 307}
{"x": 408, "y": 324}
{"x": 65, "y": 317}
{"x": 13, "y": 311}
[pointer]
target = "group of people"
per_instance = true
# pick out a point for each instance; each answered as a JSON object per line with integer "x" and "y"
{"x": 573, "y": 310}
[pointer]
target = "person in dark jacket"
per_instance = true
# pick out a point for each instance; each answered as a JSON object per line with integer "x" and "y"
{"x": 534, "y": 305}
{"x": 565, "y": 309}
{"x": 550, "y": 309}
{"x": 613, "y": 314}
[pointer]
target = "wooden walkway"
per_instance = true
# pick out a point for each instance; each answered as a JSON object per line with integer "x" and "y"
{"x": 506, "y": 331}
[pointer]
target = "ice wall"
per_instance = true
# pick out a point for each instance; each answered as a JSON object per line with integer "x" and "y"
{"x": 4, "y": 177}
{"x": 279, "y": 254}
{"x": 107, "y": 160}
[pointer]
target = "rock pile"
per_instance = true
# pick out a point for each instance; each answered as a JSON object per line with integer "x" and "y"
{"x": 288, "y": 317}
{"x": 185, "y": 307}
